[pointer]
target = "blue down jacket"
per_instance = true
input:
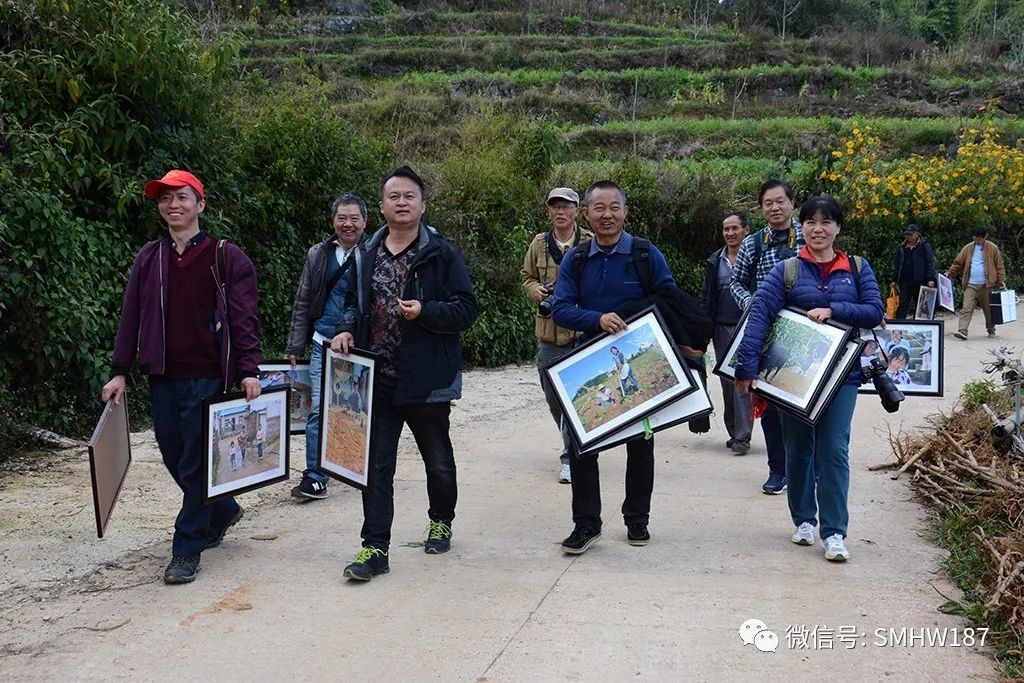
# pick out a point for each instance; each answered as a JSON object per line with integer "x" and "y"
{"x": 858, "y": 306}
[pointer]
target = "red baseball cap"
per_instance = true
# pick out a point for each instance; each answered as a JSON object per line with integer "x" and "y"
{"x": 172, "y": 179}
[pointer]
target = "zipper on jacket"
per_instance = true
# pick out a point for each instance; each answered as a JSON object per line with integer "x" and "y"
{"x": 224, "y": 323}
{"x": 163, "y": 315}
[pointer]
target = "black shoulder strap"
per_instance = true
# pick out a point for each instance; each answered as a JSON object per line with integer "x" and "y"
{"x": 579, "y": 260}
{"x": 641, "y": 259}
{"x": 754, "y": 261}
{"x": 554, "y": 251}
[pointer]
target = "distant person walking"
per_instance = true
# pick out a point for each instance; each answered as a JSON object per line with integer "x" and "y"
{"x": 913, "y": 268}
{"x": 721, "y": 307}
{"x": 982, "y": 266}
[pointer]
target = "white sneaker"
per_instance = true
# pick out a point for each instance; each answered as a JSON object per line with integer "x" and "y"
{"x": 804, "y": 534}
{"x": 835, "y": 549}
{"x": 565, "y": 476}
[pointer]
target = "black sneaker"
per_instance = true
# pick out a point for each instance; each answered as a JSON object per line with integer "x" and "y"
{"x": 216, "y": 536}
{"x": 729, "y": 443}
{"x": 369, "y": 563}
{"x": 310, "y": 489}
{"x": 439, "y": 538}
{"x": 637, "y": 534}
{"x": 182, "y": 569}
{"x": 740, "y": 447}
{"x": 580, "y": 540}
{"x": 775, "y": 484}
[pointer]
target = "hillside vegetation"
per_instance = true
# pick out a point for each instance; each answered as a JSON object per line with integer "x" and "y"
{"x": 281, "y": 105}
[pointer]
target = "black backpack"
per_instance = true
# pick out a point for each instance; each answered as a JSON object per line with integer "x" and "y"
{"x": 639, "y": 260}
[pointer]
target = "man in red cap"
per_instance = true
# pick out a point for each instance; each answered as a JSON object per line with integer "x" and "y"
{"x": 189, "y": 319}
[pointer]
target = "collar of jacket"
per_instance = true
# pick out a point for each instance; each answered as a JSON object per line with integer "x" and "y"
{"x": 716, "y": 255}
{"x": 426, "y": 232}
{"x": 842, "y": 260}
{"x": 623, "y": 246}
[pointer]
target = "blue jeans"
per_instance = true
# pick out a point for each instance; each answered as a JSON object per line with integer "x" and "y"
{"x": 821, "y": 453}
{"x": 771, "y": 425}
{"x": 546, "y": 353}
{"x": 316, "y": 361}
{"x": 178, "y": 424}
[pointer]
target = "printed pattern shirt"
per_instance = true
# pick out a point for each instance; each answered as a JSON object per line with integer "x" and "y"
{"x": 777, "y": 249}
{"x": 390, "y": 274}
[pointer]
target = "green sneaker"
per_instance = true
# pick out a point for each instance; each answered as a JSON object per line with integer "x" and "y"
{"x": 439, "y": 538}
{"x": 369, "y": 563}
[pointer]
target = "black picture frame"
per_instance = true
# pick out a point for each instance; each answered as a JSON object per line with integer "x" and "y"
{"x": 647, "y": 325}
{"x": 927, "y": 355}
{"x": 110, "y": 455}
{"x": 690, "y": 407}
{"x": 276, "y": 402}
{"x": 361, "y": 391}
{"x": 297, "y": 426}
{"x": 849, "y": 359}
{"x": 836, "y": 335}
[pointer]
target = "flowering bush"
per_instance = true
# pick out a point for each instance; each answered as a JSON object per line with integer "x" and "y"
{"x": 979, "y": 182}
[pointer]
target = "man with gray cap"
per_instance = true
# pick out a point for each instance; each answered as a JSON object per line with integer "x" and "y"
{"x": 540, "y": 267}
{"x": 913, "y": 267}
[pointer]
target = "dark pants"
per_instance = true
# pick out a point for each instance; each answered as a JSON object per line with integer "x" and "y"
{"x": 429, "y": 425}
{"x": 586, "y": 485}
{"x": 908, "y": 299}
{"x": 178, "y": 424}
{"x": 771, "y": 425}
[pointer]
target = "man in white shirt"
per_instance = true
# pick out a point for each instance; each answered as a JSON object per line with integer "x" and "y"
{"x": 982, "y": 266}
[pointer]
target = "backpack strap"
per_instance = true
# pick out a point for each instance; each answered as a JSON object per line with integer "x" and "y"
{"x": 219, "y": 264}
{"x": 579, "y": 260}
{"x": 790, "y": 271}
{"x": 641, "y": 261}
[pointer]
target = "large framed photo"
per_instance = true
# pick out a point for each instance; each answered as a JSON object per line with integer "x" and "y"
{"x": 612, "y": 381}
{"x": 246, "y": 442}
{"x": 848, "y": 361}
{"x": 110, "y": 454}
{"x": 693, "y": 405}
{"x": 797, "y": 360}
{"x": 279, "y": 373}
{"x": 927, "y": 298}
{"x": 347, "y": 385}
{"x": 946, "y": 293}
{"x": 911, "y": 352}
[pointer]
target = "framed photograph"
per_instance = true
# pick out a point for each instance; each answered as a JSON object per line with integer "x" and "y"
{"x": 849, "y": 360}
{"x": 279, "y": 373}
{"x": 246, "y": 442}
{"x": 110, "y": 454}
{"x": 946, "y": 293}
{"x": 911, "y": 352}
{"x": 613, "y": 381}
{"x": 696, "y": 404}
{"x": 347, "y": 385}
{"x": 927, "y": 298}
{"x": 798, "y": 358}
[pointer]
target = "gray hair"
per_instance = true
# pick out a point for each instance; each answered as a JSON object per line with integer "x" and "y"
{"x": 348, "y": 198}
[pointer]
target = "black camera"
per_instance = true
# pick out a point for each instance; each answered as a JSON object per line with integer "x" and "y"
{"x": 890, "y": 396}
{"x": 544, "y": 307}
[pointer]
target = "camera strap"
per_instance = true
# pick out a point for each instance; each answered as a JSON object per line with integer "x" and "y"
{"x": 555, "y": 251}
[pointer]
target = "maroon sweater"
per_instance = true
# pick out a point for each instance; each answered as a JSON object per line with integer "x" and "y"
{"x": 193, "y": 327}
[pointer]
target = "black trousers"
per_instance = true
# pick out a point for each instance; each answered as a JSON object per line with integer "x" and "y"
{"x": 429, "y": 425}
{"x": 908, "y": 298}
{"x": 586, "y": 485}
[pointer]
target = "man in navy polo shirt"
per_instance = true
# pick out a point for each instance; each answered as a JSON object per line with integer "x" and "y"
{"x": 608, "y": 281}
{"x": 196, "y": 336}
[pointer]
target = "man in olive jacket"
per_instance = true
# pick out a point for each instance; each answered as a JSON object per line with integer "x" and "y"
{"x": 540, "y": 267}
{"x": 982, "y": 266}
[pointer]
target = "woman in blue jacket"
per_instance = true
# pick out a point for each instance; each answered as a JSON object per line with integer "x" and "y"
{"x": 817, "y": 457}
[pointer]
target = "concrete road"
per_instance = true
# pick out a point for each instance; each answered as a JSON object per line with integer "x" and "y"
{"x": 505, "y": 604}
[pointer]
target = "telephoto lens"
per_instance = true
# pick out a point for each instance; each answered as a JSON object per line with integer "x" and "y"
{"x": 544, "y": 308}
{"x": 888, "y": 392}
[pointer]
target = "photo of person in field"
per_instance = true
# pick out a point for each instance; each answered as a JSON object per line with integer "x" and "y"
{"x": 618, "y": 378}
{"x": 246, "y": 441}
{"x": 347, "y": 422}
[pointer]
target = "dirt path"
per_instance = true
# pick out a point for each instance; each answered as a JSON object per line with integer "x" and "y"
{"x": 505, "y": 604}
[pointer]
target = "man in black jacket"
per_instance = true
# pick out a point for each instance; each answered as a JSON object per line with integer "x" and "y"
{"x": 316, "y": 316}
{"x": 913, "y": 267}
{"x": 726, "y": 314}
{"x": 411, "y": 298}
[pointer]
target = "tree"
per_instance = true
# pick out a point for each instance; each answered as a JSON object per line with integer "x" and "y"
{"x": 699, "y": 15}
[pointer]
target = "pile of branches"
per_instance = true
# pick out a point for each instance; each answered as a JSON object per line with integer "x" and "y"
{"x": 971, "y": 465}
